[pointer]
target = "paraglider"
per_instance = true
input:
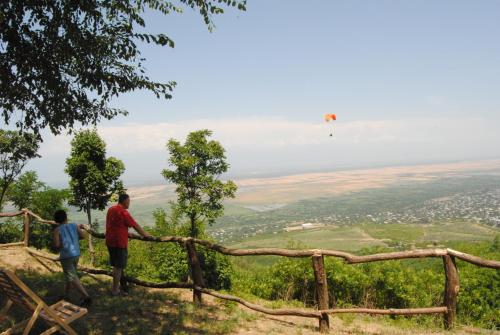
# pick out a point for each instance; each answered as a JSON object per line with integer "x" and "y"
{"x": 329, "y": 118}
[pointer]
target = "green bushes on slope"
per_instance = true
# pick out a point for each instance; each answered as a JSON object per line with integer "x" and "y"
{"x": 388, "y": 284}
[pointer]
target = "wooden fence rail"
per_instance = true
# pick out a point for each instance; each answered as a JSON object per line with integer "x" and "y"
{"x": 317, "y": 256}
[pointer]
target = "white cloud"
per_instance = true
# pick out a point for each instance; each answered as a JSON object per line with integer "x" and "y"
{"x": 275, "y": 145}
{"x": 275, "y": 133}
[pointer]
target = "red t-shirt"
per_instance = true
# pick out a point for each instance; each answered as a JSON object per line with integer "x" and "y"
{"x": 118, "y": 221}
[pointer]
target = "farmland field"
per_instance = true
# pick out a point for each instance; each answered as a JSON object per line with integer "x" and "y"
{"x": 342, "y": 238}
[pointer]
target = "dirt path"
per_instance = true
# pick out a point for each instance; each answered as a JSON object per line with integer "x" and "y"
{"x": 18, "y": 258}
{"x": 368, "y": 237}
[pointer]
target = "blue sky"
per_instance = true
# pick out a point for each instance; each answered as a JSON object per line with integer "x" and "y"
{"x": 410, "y": 82}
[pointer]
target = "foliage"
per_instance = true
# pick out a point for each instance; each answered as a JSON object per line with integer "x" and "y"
{"x": 94, "y": 178}
{"x": 11, "y": 230}
{"x": 45, "y": 203}
{"x": 29, "y": 192}
{"x": 197, "y": 166}
{"x": 16, "y": 150}
{"x": 391, "y": 284}
{"x": 479, "y": 297}
{"x": 160, "y": 262}
{"x": 48, "y": 200}
{"x": 217, "y": 269}
{"x": 169, "y": 259}
{"x": 22, "y": 192}
{"x": 61, "y": 62}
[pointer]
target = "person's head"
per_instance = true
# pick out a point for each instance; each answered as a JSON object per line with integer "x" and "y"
{"x": 60, "y": 216}
{"x": 124, "y": 200}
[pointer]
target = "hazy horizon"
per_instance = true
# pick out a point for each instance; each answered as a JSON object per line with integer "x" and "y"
{"x": 139, "y": 182}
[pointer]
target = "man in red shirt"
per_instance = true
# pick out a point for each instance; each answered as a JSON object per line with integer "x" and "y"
{"x": 118, "y": 221}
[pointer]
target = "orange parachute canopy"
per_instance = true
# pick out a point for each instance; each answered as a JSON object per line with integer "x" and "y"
{"x": 330, "y": 117}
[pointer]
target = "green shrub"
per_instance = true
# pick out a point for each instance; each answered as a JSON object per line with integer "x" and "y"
{"x": 11, "y": 231}
{"x": 385, "y": 284}
{"x": 160, "y": 262}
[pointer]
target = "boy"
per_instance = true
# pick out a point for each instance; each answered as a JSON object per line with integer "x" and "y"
{"x": 66, "y": 238}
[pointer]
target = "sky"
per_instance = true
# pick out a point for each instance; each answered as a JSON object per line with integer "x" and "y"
{"x": 411, "y": 82}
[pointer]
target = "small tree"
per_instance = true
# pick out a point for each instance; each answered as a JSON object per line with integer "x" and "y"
{"x": 45, "y": 202}
{"x": 21, "y": 193}
{"x": 93, "y": 177}
{"x": 16, "y": 150}
{"x": 197, "y": 166}
{"x": 29, "y": 192}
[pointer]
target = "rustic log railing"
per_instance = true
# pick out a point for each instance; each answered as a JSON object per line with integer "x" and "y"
{"x": 448, "y": 309}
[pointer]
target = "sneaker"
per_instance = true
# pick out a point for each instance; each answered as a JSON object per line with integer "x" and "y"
{"x": 124, "y": 286}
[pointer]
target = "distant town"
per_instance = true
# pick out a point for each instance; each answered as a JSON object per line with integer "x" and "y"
{"x": 479, "y": 206}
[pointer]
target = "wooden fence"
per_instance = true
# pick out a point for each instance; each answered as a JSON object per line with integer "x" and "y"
{"x": 448, "y": 308}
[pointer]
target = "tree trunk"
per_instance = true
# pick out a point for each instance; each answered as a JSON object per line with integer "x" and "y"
{"x": 196, "y": 273}
{"x": 2, "y": 195}
{"x": 91, "y": 242}
{"x": 192, "y": 219}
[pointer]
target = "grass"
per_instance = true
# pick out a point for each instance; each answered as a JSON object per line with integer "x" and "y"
{"x": 144, "y": 311}
{"x": 341, "y": 238}
{"x": 395, "y": 232}
{"x": 149, "y": 311}
{"x": 441, "y": 233}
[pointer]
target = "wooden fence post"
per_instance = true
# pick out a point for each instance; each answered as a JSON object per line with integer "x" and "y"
{"x": 452, "y": 285}
{"x": 196, "y": 273}
{"x": 321, "y": 291}
{"x": 27, "y": 223}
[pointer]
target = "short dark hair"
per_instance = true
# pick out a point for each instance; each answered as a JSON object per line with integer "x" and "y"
{"x": 60, "y": 216}
{"x": 122, "y": 197}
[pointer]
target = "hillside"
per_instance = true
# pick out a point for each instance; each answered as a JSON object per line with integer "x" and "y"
{"x": 170, "y": 311}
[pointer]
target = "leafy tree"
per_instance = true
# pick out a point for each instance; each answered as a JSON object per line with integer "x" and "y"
{"x": 45, "y": 202}
{"x": 61, "y": 62}
{"x": 197, "y": 166}
{"x": 94, "y": 177}
{"x": 168, "y": 259}
{"x": 23, "y": 190}
{"x": 159, "y": 262}
{"x": 29, "y": 192}
{"x": 16, "y": 150}
{"x": 11, "y": 230}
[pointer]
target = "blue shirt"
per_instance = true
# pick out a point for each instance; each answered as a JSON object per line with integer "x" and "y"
{"x": 70, "y": 240}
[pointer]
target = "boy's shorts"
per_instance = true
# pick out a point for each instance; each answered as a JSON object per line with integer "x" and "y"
{"x": 69, "y": 266}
